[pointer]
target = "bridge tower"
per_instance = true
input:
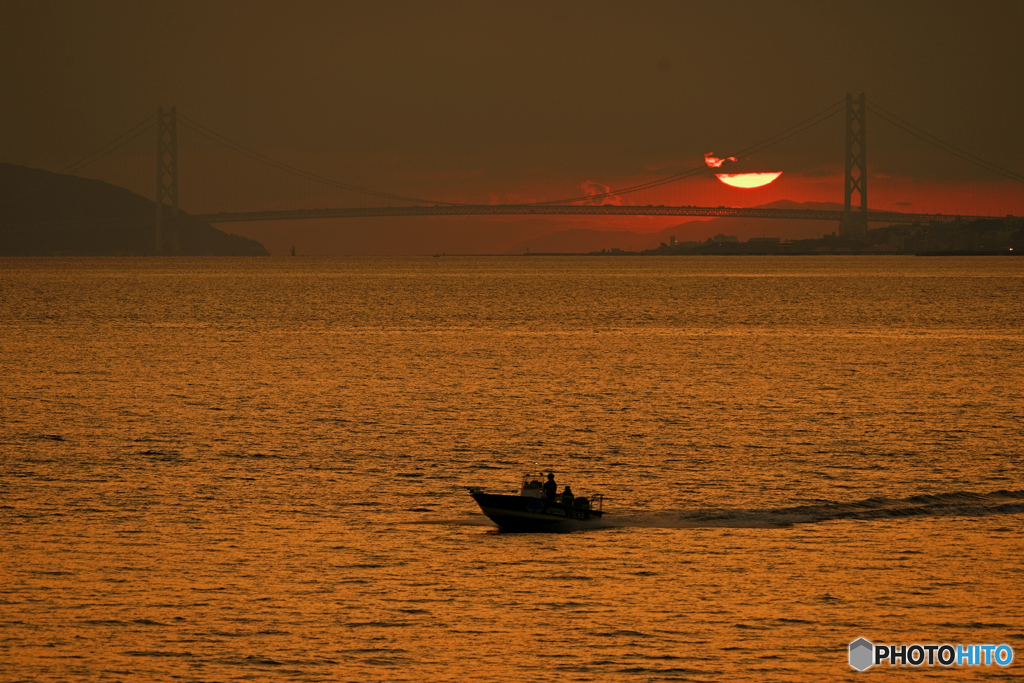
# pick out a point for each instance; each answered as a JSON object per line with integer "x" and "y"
{"x": 855, "y": 223}
{"x": 167, "y": 179}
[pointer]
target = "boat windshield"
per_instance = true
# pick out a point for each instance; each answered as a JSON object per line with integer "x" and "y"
{"x": 532, "y": 487}
{"x": 532, "y": 481}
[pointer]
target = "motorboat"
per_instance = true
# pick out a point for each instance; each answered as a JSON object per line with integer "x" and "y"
{"x": 531, "y": 510}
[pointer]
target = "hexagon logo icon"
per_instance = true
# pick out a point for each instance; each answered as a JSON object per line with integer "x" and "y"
{"x": 861, "y": 654}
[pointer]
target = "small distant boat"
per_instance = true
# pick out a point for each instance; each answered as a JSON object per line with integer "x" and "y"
{"x": 530, "y": 510}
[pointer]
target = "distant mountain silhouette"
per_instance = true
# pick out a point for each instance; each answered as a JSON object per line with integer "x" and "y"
{"x": 44, "y": 214}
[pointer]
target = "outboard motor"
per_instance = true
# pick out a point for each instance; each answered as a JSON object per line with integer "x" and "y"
{"x": 582, "y": 503}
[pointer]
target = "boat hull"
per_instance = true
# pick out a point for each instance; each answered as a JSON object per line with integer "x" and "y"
{"x": 519, "y": 513}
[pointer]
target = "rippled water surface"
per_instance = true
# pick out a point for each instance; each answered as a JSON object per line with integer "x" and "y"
{"x": 256, "y": 468}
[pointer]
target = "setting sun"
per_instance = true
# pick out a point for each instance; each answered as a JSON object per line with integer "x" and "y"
{"x": 747, "y": 180}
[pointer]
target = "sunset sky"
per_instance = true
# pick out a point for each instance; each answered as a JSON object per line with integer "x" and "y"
{"x": 487, "y": 102}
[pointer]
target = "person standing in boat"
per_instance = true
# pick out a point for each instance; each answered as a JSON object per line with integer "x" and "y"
{"x": 550, "y": 487}
{"x": 567, "y": 496}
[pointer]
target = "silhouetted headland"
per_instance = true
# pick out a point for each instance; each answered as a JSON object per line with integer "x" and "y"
{"x": 988, "y": 237}
{"x": 49, "y": 214}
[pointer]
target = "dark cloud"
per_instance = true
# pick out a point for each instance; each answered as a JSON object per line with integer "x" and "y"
{"x": 598, "y": 193}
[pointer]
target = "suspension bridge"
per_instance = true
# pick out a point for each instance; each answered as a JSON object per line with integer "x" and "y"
{"x": 637, "y": 199}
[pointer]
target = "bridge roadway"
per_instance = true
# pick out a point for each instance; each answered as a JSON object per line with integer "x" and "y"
{"x": 574, "y": 210}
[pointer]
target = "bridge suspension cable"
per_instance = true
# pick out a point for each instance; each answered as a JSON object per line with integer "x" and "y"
{"x": 92, "y": 157}
{"x": 112, "y": 146}
{"x": 910, "y": 128}
{"x": 238, "y": 148}
{"x": 213, "y": 136}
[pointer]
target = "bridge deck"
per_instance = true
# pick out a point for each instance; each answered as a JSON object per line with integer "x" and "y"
{"x": 575, "y": 210}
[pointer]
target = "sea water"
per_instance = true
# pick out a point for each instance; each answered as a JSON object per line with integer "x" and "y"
{"x": 256, "y": 469}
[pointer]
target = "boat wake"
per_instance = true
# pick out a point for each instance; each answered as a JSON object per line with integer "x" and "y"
{"x": 954, "y": 504}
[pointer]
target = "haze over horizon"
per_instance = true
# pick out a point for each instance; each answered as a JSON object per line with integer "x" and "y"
{"x": 534, "y": 101}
